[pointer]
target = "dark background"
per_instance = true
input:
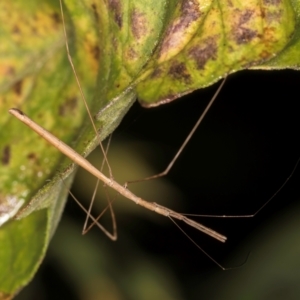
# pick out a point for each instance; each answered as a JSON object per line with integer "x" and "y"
{"x": 243, "y": 152}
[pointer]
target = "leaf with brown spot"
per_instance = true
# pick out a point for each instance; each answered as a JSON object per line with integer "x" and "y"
{"x": 214, "y": 40}
{"x": 35, "y": 76}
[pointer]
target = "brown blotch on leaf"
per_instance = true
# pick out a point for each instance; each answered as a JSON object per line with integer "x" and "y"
{"x": 17, "y": 87}
{"x": 273, "y": 16}
{"x": 32, "y": 156}
{"x": 138, "y": 24}
{"x": 244, "y": 35}
{"x": 179, "y": 72}
{"x": 190, "y": 9}
{"x": 96, "y": 15}
{"x": 56, "y": 18}
{"x": 115, "y": 7}
{"x": 96, "y": 52}
{"x": 241, "y": 33}
{"x": 5, "y": 155}
{"x": 189, "y": 13}
{"x": 204, "y": 52}
{"x": 245, "y": 17}
{"x": 156, "y": 73}
{"x": 69, "y": 105}
{"x": 131, "y": 54}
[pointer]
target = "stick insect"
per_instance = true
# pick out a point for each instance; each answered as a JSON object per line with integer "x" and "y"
{"x": 109, "y": 181}
{"x": 78, "y": 159}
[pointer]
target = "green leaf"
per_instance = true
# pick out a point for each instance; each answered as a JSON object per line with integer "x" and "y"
{"x": 153, "y": 50}
{"x": 205, "y": 41}
{"x": 39, "y": 80}
{"x": 25, "y": 241}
